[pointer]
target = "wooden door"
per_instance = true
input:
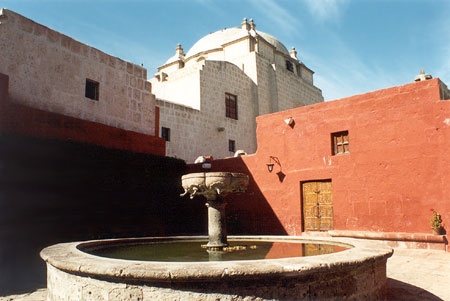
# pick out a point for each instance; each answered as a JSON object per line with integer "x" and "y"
{"x": 317, "y": 205}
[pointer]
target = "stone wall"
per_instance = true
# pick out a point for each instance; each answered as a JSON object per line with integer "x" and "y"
{"x": 355, "y": 274}
{"x": 195, "y": 132}
{"x": 280, "y": 89}
{"x": 266, "y": 50}
{"x": 182, "y": 86}
{"x": 48, "y": 71}
{"x": 361, "y": 283}
{"x": 183, "y": 123}
{"x": 217, "y": 79}
{"x": 21, "y": 119}
{"x": 306, "y": 74}
{"x": 294, "y": 91}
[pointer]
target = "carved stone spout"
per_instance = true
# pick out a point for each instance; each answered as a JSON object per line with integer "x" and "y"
{"x": 214, "y": 186}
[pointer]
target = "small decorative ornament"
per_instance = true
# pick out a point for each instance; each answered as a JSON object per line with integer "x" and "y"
{"x": 290, "y": 122}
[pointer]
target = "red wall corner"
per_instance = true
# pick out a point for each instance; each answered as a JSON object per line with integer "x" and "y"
{"x": 397, "y": 169}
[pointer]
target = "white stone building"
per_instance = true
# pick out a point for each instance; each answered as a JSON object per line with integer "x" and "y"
{"x": 209, "y": 97}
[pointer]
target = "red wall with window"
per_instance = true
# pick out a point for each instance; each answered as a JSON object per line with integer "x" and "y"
{"x": 397, "y": 168}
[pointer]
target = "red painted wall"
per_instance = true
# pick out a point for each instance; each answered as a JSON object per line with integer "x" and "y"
{"x": 398, "y": 167}
{"x": 20, "y": 119}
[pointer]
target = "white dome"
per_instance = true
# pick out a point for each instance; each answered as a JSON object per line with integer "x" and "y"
{"x": 216, "y": 39}
{"x": 172, "y": 59}
{"x": 274, "y": 42}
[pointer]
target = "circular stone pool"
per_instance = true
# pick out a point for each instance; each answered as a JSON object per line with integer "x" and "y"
{"x": 194, "y": 250}
{"x": 357, "y": 272}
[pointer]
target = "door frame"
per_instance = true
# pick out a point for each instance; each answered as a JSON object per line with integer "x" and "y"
{"x": 301, "y": 197}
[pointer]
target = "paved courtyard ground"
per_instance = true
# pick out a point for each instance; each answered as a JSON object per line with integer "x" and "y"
{"x": 412, "y": 275}
{"x": 419, "y": 275}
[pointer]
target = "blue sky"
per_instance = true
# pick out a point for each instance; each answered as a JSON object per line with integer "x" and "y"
{"x": 354, "y": 46}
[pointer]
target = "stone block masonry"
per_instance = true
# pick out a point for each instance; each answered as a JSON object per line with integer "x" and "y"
{"x": 194, "y": 132}
{"x": 358, "y": 273}
{"x": 48, "y": 71}
{"x": 21, "y": 119}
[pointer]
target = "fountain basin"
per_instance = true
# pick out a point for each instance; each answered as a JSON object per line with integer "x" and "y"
{"x": 211, "y": 184}
{"x": 214, "y": 186}
{"x": 359, "y": 272}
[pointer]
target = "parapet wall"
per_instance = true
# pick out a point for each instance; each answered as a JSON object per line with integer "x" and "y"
{"x": 48, "y": 71}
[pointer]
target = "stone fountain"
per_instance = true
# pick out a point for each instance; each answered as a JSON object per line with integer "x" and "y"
{"x": 214, "y": 186}
{"x": 89, "y": 271}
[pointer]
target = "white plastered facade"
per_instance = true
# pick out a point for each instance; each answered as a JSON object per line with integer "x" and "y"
{"x": 190, "y": 90}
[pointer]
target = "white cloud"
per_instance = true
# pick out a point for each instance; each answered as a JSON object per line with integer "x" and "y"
{"x": 345, "y": 73}
{"x": 325, "y": 9}
{"x": 443, "y": 71}
{"x": 279, "y": 15}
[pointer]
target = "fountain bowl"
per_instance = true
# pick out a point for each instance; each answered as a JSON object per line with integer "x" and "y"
{"x": 211, "y": 184}
{"x": 359, "y": 273}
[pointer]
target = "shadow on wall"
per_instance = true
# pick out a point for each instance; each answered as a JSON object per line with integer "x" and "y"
{"x": 249, "y": 212}
{"x": 53, "y": 191}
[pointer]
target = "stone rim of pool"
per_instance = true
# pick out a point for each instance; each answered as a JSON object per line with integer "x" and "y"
{"x": 69, "y": 258}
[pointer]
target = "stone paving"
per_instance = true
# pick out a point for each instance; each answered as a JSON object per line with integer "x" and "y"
{"x": 412, "y": 275}
{"x": 419, "y": 275}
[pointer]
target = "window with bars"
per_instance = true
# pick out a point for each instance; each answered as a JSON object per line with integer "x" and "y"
{"x": 165, "y": 133}
{"x": 340, "y": 143}
{"x": 232, "y": 145}
{"x": 92, "y": 89}
{"x": 231, "y": 106}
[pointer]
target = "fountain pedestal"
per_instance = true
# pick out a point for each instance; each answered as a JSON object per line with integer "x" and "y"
{"x": 217, "y": 226}
{"x": 214, "y": 186}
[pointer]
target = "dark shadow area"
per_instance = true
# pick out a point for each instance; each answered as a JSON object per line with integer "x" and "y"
{"x": 292, "y": 124}
{"x": 281, "y": 176}
{"x": 53, "y": 191}
{"x": 398, "y": 290}
{"x": 249, "y": 212}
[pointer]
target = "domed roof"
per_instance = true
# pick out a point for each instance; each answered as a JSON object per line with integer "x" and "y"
{"x": 179, "y": 55}
{"x": 216, "y": 39}
{"x": 274, "y": 42}
{"x": 172, "y": 59}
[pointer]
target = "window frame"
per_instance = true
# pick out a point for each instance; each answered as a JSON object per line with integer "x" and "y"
{"x": 340, "y": 143}
{"x": 231, "y": 106}
{"x": 289, "y": 66}
{"x": 92, "y": 89}
{"x": 165, "y": 133}
{"x": 232, "y": 145}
